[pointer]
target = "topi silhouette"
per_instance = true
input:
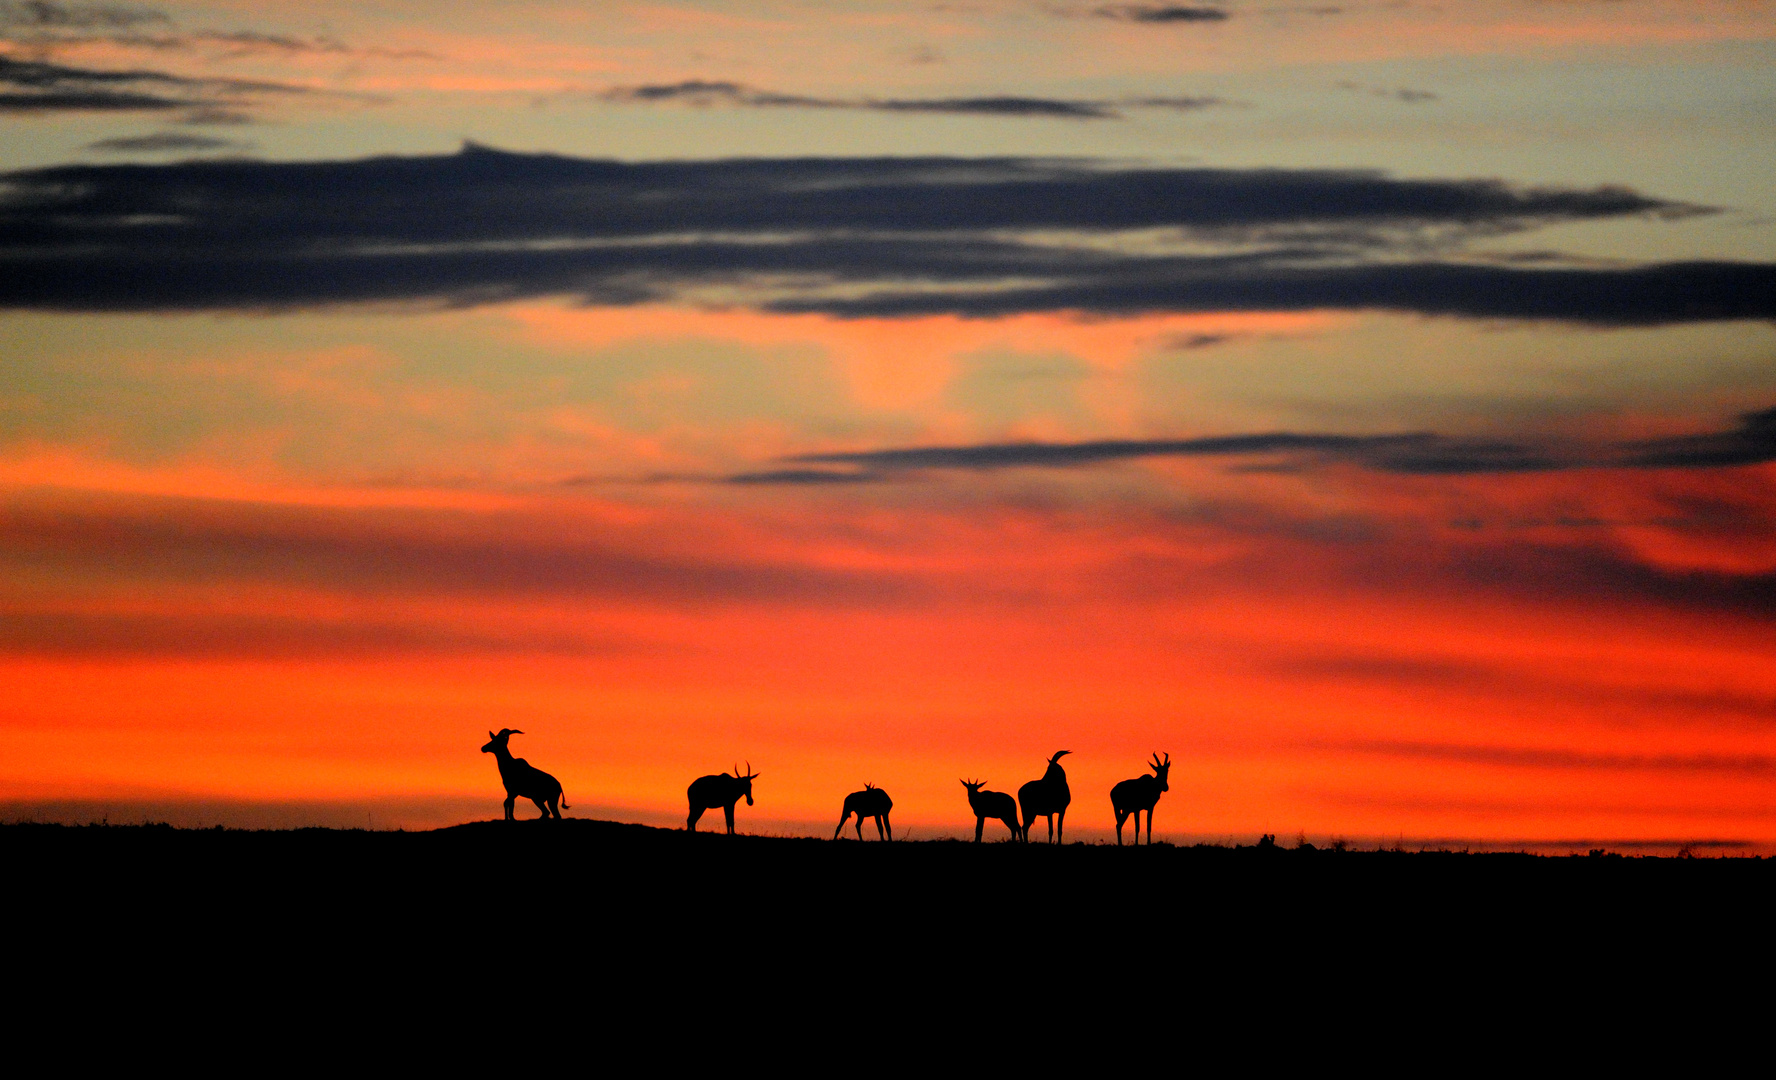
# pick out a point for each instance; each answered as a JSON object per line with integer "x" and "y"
{"x": 1141, "y": 793}
{"x": 992, "y": 804}
{"x": 872, "y": 801}
{"x": 1047, "y": 798}
{"x": 521, "y": 779}
{"x": 709, "y": 792}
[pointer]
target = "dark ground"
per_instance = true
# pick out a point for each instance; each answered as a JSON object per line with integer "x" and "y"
{"x": 517, "y": 912}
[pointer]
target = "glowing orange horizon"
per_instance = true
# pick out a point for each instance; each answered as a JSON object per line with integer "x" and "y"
{"x": 934, "y": 643}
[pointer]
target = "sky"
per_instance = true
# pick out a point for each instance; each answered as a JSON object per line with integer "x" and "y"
{"x": 1371, "y": 405}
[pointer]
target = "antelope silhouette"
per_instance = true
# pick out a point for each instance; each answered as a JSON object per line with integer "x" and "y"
{"x": 992, "y": 804}
{"x": 523, "y": 779}
{"x": 872, "y": 801}
{"x": 1141, "y": 793}
{"x": 723, "y": 790}
{"x": 1047, "y": 798}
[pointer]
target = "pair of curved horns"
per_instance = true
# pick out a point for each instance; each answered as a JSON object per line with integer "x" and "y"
{"x": 1059, "y": 754}
{"x": 973, "y": 783}
{"x": 504, "y": 732}
{"x": 750, "y": 775}
{"x": 1158, "y": 764}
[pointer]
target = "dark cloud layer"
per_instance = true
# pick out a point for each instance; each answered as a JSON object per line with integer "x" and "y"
{"x": 884, "y": 237}
{"x": 706, "y": 93}
{"x": 1751, "y": 441}
{"x": 37, "y": 86}
{"x": 50, "y": 15}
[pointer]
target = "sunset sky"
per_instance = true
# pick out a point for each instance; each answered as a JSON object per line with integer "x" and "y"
{"x": 1371, "y": 404}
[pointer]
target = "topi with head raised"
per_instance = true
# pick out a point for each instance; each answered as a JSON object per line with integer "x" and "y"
{"x": 522, "y": 779}
{"x": 1141, "y": 793}
{"x": 1047, "y": 798}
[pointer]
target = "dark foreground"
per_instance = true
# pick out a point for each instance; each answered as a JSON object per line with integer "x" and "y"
{"x": 630, "y": 909}
{"x": 548, "y": 872}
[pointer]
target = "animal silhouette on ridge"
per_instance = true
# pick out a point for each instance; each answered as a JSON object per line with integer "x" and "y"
{"x": 1141, "y": 793}
{"x": 1047, "y": 798}
{"x": 872, "y": 801}
{"x": 723, "y": 790}
{"x": 992, "y": 804}
{"x": 523, "y": 779}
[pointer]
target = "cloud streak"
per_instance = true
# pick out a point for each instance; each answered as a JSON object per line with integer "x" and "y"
{"x": 166, "y": 142}
{"x": 1161, "y": 14}
{"x": 37, "y": 86}
{"x": 705, "y": 93}
{"x": 850, "y": 237}
{"x": 1752, "y": 441}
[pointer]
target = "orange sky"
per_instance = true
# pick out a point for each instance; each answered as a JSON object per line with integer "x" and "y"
{"x": 1386, "y": 565}
{"x": 1516, "y": 680}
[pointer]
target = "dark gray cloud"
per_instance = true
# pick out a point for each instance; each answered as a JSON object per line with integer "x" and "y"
{"x": 166, "y": 142}
{"x": 1161, "y": 13}
{"x": 1406, "y": 453}
{"x": 1751, "y": 441}
{"x": 37, "y": 86}
{"x": 50, "y": 15}
{"x": 1634, "y": 296}
{"x": 893, "y": 236}
{"x": 813, "y": 477}
{"x": 702, "y": 92}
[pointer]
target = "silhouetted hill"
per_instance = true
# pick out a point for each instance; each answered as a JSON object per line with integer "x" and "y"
{"x": 637, "y": 910}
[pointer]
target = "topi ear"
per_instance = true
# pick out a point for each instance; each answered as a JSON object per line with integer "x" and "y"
{"x": 491, "y": 735}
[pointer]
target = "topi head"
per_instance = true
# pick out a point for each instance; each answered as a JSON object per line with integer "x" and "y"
{"x": 496, "y": 743}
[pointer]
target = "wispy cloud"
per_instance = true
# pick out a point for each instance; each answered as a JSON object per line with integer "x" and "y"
{"x": 1751, "y": 441}
{"x": 52, "y": 15}
{"x": 166, "y": 142}
{"x": 1161, "y": 13}
{"x": 1397, "y": 93}
{"x": 705, "y": 93}
{"x": 37, "y": 86}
